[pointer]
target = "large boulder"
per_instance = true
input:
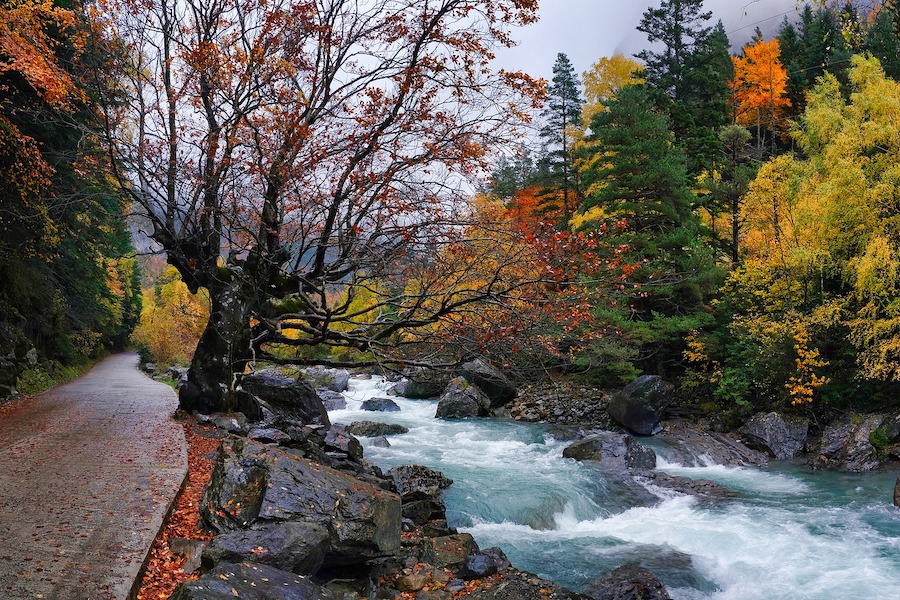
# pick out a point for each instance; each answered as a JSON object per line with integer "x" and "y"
{"x": 461, "y": 399}
{"x": 286, "y": 397}
{"x": 339, "y": 439}
{"x": 692, "y": 446}
{"x": 250, "y": 581}
{"x": 421, "y": 383}
{"x": 288, "y": 545}
{"x": 614, "y": 451}
{"x": 336, "y": 380}
{"x": 641, "y": 405}
{"x": 421, "y": 491}
{"x": 489, "y": 380}
{"x": 252, "y": 485}
{"x": 781, "y": 436}
{"x": 628, "y": 582}
{"x": 447, "y": 552}
{"x": 846, "y": 445}
{"x": 380, "y": 405}
{"x": 375, "y": 428}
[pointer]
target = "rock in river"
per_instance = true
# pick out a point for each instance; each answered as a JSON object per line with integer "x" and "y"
{"x": 461, "y": 399}
{"x": 641, "y": 405}
{"x": 782, "y": 436}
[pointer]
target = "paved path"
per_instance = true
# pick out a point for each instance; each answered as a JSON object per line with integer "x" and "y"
{"x": 88, "y": 471}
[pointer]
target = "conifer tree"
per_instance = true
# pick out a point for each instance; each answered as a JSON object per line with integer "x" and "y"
{"x": 561, "y": 115}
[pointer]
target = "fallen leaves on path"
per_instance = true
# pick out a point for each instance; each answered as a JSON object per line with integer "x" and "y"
{"x": 165, "y": 569}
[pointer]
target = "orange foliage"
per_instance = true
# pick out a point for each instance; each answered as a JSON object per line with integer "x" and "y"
{"x": 532, "y": 208}
{"x": 759, "y": 85}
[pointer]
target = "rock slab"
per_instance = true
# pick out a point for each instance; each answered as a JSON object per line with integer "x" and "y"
{"x": 781, "y": 436}
{"x": 250, "y": 581}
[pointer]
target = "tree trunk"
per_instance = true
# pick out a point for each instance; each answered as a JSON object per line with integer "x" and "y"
{"x": 222, "y": 352}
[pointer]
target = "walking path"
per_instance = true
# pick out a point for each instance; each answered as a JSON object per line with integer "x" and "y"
{"x": 88, "y": 472}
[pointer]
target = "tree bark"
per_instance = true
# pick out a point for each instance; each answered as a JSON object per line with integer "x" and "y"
{"x": 222, "y": 352}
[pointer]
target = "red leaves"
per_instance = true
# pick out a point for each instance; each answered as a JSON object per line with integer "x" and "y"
{"x": 164, "y": 570}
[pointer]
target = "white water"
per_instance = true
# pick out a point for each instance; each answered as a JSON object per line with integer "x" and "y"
{"x": 788, "y": 534}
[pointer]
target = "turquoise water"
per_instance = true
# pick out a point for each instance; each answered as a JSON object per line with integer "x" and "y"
{"x": 787, "y": 534}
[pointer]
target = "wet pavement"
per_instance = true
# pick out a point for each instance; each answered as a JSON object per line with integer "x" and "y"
{"x": 88, "y": 472}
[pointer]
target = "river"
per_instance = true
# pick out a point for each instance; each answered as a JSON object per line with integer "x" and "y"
{"x": 788, "y": 533}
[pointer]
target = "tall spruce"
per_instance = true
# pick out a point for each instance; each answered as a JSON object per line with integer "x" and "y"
{"x": 688, "y": 75}
{"x": 561, "y": 115}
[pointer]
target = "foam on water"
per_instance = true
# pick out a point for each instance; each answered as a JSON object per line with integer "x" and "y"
{"x": 787, "y": 535}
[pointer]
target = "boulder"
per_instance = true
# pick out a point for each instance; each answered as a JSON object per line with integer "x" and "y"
{"x": 380, "y": 405}
{"x": 230, "y": 422}
{"x": 845, "y": 445}
{"x": 269, "y": 435}
{"x": 781, "y": 436}
{"x": 703, "y": 489}
{"x": 490, "y": 380}
{"x": 252, "y": 485}
{"x": 250, "y": 581}
{"x": 191, "y": 550}
{"x": 421, "y": 383}
{"x": 338, "y": 439}
{"x": 897, "y": 493}
{"x": 447, "y": 552}
{"x": 693, "y": 446}
{"x": 375, "y": 429}
{"x": 415, "y": 482}
{"x": 614, "y": 451}
{"x": 628, "y": 582}
{"x": 332, "y": 400}
{"x": 336, "y": 380}
{"x": 286, "y": 397}
{"x": 641, "y": 405}
{"x": 411, "y": 583}
{"x": 460, "y": 400}
{"x": 484, "y": 564}
{"x": 381, "y": 442}
{"x": 290, "y": 546}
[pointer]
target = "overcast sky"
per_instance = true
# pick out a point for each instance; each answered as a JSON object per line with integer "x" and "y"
{"x": 587, "y": 30}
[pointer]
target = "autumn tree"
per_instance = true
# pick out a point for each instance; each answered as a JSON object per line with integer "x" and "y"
{"x": 759, "y": 90}
{"x": 603, "y": 81}
{"x": 69, "y": 281}
{"x": 291, "y": 156}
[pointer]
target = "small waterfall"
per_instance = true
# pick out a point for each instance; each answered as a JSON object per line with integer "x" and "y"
{"x": 787, "y": 534}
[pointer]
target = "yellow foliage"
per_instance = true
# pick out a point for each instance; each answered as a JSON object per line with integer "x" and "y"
{"x": 604, "y": 79}
{"x": 172, "y": 319}
{"x": 804, "y": 381}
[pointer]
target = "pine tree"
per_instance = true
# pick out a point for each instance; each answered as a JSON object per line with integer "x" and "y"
{"x": 688, "y": 76}
{"x": 562, "y": 114}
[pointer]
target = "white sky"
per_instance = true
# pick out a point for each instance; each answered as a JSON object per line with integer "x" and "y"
{"x": 587, "y": 30}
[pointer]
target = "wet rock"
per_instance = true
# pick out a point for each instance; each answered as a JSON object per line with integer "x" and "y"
{"x": 332, "y": 400}
{"x": 845, "y": 445}
{"x": 253, "y": 484}
{"x": 692, "y": 446}
{"x": 290, "y": 546}
{"x": 461, "y": 400}
{"x": 375, "y": 428}
{"x": 628, "y": 582}
{"x": 448, "y": 552}
{"x": 381, "y": 442}
{"x": 614, "y": 451}
{"x": 701, "y": 488}
{"x": 484, "y": 564}
{"x": 250, "y": 581}
{"x": 191, "y": 550}
{"x": 268, "y": 435}
{"x": 421, "y": 383}
{"x": 521, "y": 586}
{"x": 336, "y": 380}
{"x": 490, "y": 380}
{"x": 641, "y": 405}
{"x": 782, "y": 436}
{"x": 897, "y": 493}
{"x": 416, "y": 482}
{"x": 230, "y": 422}
{"x": 286, "y": 397}
{"x": 380, "y": 405}
{"x": 340, "y": 440}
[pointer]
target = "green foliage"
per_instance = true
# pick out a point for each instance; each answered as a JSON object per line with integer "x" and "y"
{"x": 880, "y": 441}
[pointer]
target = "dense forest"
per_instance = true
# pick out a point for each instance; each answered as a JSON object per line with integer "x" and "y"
{"x": 727, "y": 221}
